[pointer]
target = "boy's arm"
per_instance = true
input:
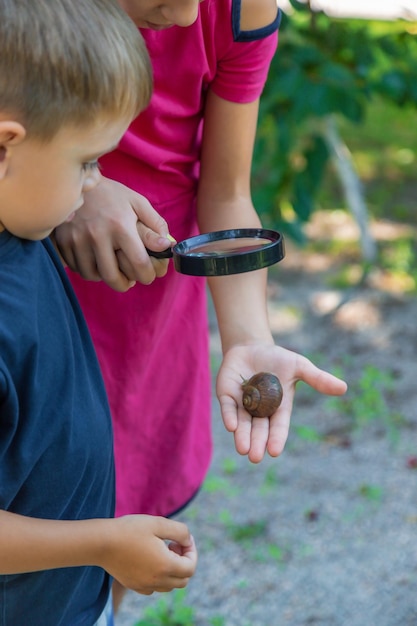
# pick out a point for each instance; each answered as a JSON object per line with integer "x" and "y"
{"x": 133, "y": 549}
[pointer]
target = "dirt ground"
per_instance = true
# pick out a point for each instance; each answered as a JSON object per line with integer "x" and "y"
{"x": 326, "y": 534}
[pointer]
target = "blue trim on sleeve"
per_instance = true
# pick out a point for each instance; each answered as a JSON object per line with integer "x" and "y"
{"x": 251, "y": 35}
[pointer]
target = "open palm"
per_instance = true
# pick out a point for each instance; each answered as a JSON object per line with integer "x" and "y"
{"x": 256, "y": 435}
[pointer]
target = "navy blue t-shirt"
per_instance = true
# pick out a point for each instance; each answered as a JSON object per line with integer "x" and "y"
{"x": 56, "y": 447}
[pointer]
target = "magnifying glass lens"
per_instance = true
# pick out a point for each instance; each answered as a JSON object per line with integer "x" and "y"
{"x": 227, "y": 246}
{"x": 225, "y": 252}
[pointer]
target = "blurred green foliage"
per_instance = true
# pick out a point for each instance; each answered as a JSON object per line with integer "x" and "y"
{"x": 384, "y": 149}
{"x": 171, "y": 610}
{"x": 323, "y": 67}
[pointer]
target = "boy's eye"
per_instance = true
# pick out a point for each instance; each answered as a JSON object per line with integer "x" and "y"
{"x": 90, "y": 165}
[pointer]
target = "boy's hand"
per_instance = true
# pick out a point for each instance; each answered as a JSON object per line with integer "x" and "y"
{"x": 107, "y": 237}
{"x": 147, "y": 553}
{"x": 257, "y": 435}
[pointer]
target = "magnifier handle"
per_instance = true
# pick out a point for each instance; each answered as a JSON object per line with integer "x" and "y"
{"x": 164, "y": 254}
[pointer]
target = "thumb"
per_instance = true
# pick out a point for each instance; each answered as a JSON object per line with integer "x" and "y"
{"x": 320, "y": 380}
{"x": 171, "y": 530}
{"x": 154, "y": 240}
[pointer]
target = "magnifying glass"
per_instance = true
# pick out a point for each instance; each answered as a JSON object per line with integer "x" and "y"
{"x": 225, "y": 252}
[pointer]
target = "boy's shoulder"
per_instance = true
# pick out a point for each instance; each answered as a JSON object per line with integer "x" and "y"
{"x": 30, "y": 286}
{"x": 20, "y": 260}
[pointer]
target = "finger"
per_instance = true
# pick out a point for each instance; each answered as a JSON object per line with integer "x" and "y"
{"x": 154, "y": 240}
{"x": 176, "y": 532}
{"x": 258, "y": 435}
{"x": 124, "y": 265}
{"x": 109, "y": 271}
{"x": 66, "y": 254}
{"x": 160, "y": 268}
{"x": 181, "y": 550}
{"x": 136, "y": 263}
{"x": 279, "y": 425}
{"x": 144, "y": 591}
{"x": 174, "y": 582}
{"x": 243, "y": 432}
{"x": 184, "y": 557}
{"x": 144, "y": 274}
{"x": 84, "y": 263}
{"x": 181, "y": 565}
{"x": 170, "y": 583}
{"x": 148, "y": 215}
{"x": 228, "y": 410}
{"x": 321, "y": 381}
{"x": 258, "y": 439}
{"x": 189, "y": 551}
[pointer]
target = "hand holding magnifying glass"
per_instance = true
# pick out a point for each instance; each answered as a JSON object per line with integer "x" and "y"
{"x": 226, "y": 252}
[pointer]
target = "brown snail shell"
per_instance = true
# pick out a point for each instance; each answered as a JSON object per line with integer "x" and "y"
{"x": 262, "y": 394}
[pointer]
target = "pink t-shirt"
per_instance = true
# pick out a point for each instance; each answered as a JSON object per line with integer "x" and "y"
{"x": 152, "y": 342}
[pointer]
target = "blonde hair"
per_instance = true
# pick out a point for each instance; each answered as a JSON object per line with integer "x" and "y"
{"x": 68, "y": 61}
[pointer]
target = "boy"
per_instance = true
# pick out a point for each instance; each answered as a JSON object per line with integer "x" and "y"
{"x": 72, "y": 77}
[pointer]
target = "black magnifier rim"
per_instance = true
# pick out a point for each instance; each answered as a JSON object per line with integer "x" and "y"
{"x": 228, "y": 263}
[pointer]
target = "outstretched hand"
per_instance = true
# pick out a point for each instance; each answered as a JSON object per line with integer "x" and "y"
{"x": 255, "y": 436}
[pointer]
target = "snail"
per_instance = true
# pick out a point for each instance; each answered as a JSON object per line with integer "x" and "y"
{"x": 262, "y": 394}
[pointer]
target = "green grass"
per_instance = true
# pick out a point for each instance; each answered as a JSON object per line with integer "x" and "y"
{"x": 169, "y": 611}
{"x": 369, "y": 399}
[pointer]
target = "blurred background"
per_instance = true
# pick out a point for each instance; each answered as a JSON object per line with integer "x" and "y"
{"x": 337, "y": 127}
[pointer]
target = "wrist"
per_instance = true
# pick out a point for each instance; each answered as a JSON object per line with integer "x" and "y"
{"x": 245, "y": 340}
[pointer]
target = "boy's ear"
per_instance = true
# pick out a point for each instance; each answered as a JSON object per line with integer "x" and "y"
{"x": 11, "y": 134}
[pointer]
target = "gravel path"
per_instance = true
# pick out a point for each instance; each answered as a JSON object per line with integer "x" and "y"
{"x": 326, "y": 534}
{"x": 333, "y": 540}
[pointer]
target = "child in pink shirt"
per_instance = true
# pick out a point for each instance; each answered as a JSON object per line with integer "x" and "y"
{"x": 189, "y": 154}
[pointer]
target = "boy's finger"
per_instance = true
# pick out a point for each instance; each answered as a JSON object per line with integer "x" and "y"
{"x": 171, "y": 530}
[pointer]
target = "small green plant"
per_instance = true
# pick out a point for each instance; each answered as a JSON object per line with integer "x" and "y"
{"x": 217, "y": 621}
{"x": 219, "y": 484}
{"x": 229, "y": 466}
{"x": 373, "y": 493}
{"x": 308, "y": 433}
{"x": 243, "y": 533}
{"x": 270, "y": 481}
{"x": 169, "y": 611}
{"x": 247, "y": 532}
{"x": 367, "y": 400}
{"x": 271, "y": 552}
{"x": 398, "y": 260}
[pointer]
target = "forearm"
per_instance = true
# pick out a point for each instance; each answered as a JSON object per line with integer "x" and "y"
{"x": 240, "y": 300}
{"x": 241, "y": 308}
{"x": 28, "y": 544}
{"x": 223, "y": 202}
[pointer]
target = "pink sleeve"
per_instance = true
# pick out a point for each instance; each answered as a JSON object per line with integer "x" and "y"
{"x": 243, "y": 66}
{"x": 242, "y": 75}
